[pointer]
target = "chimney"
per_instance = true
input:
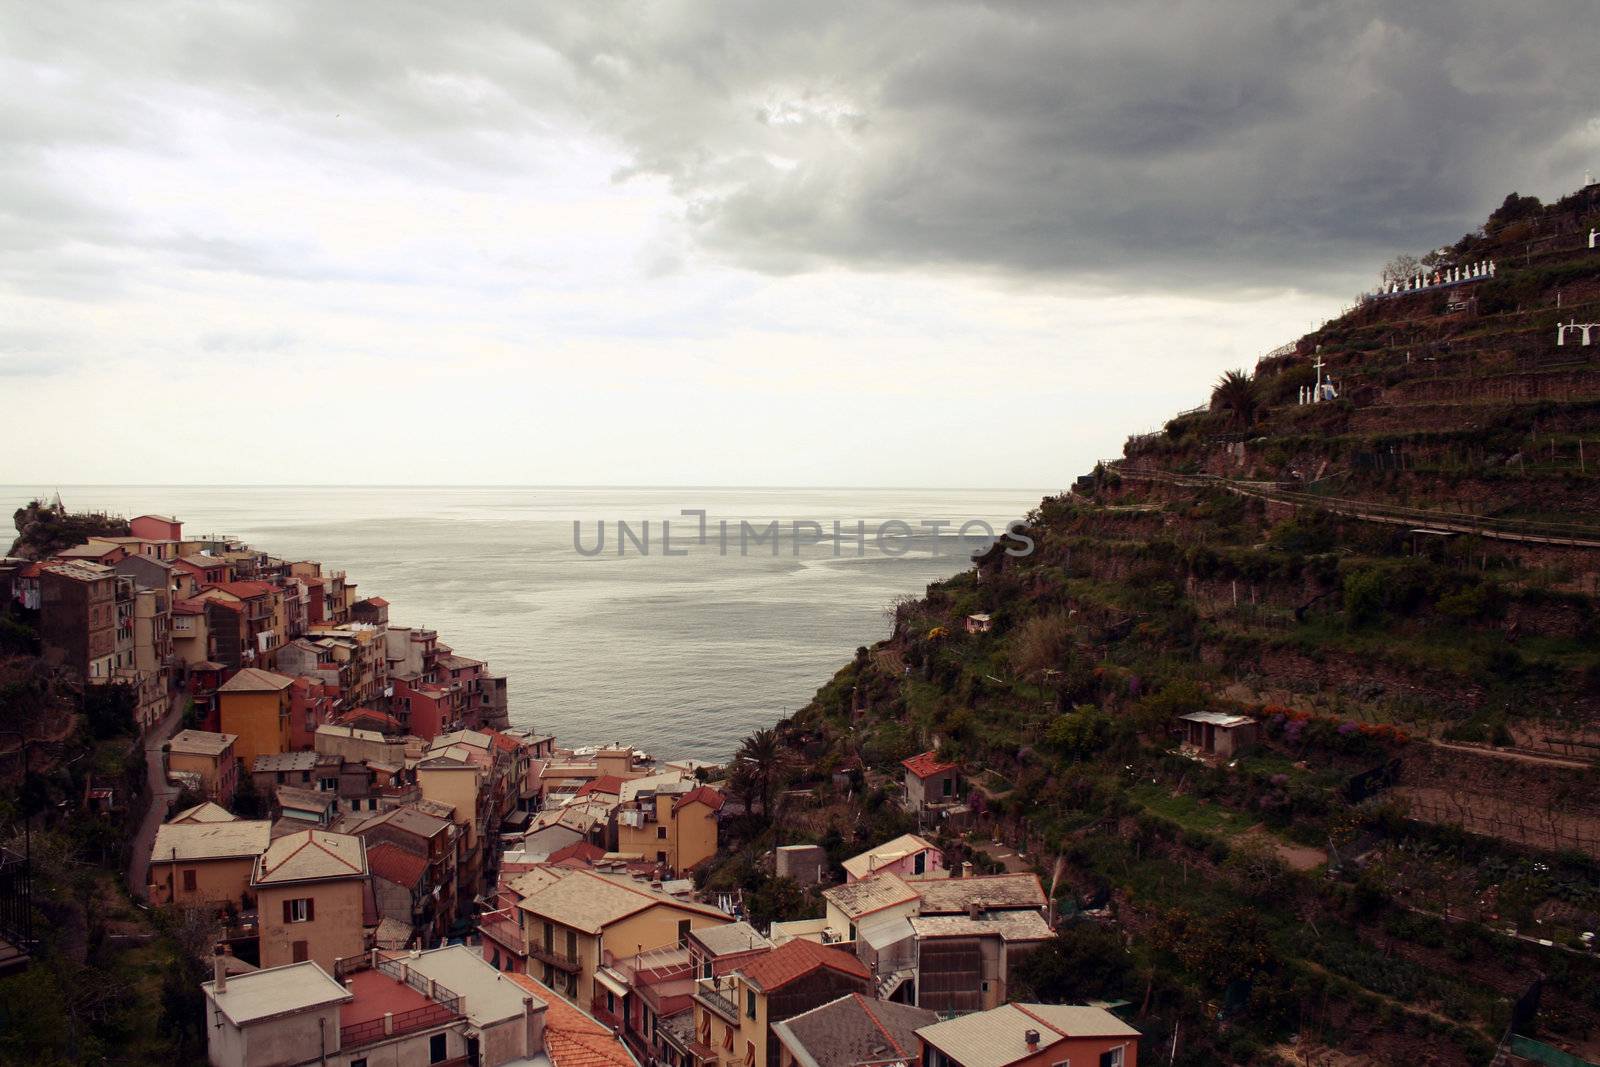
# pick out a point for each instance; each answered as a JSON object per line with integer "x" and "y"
{"x": 973, "y": 909}
{"x": 219, "y": 969}
{"x": 1032, "y": 1038}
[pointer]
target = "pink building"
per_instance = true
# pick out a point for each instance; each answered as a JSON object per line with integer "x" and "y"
{"x": 908, "y": 855}
{"x": 156, "y": 528}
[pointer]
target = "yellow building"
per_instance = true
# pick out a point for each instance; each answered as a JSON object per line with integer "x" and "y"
{"x": 209, "y": 755}
{"x": 734, "y": 1013}
{"x": 191, "y": 636}
{"x": 457, "y": 784}
{"x": 254, "y": 706}
{"x": 310, "y": 889}
{"x": 569, "y": 926}
{"x": 675, "y": 829}
{"x": 205, "y": 863}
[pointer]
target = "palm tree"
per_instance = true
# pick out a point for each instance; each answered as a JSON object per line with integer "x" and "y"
{"x": 1235, "y": 393}
{"x": 758, "y": 754}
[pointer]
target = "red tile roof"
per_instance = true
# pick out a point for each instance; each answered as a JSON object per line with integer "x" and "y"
{"x": 360, "y": 715}
{"x": 582, "y": 851}
{"x": 703, "y": 795}
{"x": 926, "y": 765}
{"x": 243, "y": 590}
{"x": 573, "y": 1038}
{"x": 503, "y": 742}
{"x": 606, "y": 783}
{"x": 377, "y": 601}
{"x": 796, "y": 959}
{"x": 395, "y": 864}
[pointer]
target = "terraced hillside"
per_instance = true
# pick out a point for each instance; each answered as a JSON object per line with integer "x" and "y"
{"x": 1397, "y": 588}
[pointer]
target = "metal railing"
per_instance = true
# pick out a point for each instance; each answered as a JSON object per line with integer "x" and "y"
{"x": 709, "y": 992}
{"x": 407, "y": 1022}
{"x": 554, "y": 956}
{"x": 16, "y": 898}
{"x": 502, "y": 928}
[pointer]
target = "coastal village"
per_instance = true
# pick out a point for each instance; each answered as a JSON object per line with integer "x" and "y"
{"x": 388, "y": 873}
{"x": 1278, "y": 748}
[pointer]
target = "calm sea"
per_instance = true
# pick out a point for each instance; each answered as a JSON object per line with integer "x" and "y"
{"x": 681, "y": 656}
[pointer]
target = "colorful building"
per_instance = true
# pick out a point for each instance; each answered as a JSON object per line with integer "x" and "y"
{"x": 254, "y": 706}
{"x": 311, "y": 891}
{"x": 1031, "y": 1035}
{"x": 734, "y": 1014}
{"x": 206, "y": 863}
{"x": 211, "y": 756}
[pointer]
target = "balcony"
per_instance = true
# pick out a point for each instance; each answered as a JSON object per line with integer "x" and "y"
{"x": 714, "y": 993}
{"x": 503, "y": 929}
{"x": 555, "y": 958}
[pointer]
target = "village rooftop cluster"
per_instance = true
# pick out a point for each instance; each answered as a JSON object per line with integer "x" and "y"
{"x": 398, "y": 877}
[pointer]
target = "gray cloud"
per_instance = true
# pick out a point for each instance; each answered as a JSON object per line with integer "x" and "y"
{"x": 1139, "y": 143}
{"x": 1196, "y": 145}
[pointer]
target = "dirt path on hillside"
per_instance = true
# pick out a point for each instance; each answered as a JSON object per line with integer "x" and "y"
{"x": 1533, "y": 759}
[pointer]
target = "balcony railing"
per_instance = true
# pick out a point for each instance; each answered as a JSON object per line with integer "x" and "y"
{"x": 407, "y": 1022}
{"x": 554, "y": 957}
{"x": 503, "y": 929}
{"x": 714, "y": 996}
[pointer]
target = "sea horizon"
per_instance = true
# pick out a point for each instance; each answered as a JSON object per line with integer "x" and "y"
{"x": 681, "y": 656}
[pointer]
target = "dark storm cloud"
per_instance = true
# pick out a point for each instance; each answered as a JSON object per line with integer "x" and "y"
{"x": 1141, "y": 143}
{"x": 1188, "y": 144}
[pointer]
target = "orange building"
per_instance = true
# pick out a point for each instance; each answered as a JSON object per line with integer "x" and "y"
{"x": 254, "y": 706}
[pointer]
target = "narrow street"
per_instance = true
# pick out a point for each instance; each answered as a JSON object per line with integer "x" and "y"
{"x": 160, "y": 796}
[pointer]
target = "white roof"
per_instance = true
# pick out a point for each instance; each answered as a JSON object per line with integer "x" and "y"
{"x": 1216, "y": 718}
{"x": 1021, "y": 924}
{"x": 730, "y": 938}
{"x": 886, "y": 853}
{"x": 201, "y": 742}
{"x": 489, "y": 997}
{"x": 883, "y": 934}
{"x": 195, "y": 841}
{"x": 331, "y": 730}
{"x": 205, "y": 811}
{"x": 309, "y": 855}
{"x": 869, "y": 895}
{"x": 653, "y": 783}
{"x": 276, "y": 991}
{"x": 997, "y": 1037}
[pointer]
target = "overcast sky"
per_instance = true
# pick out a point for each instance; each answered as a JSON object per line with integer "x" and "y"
{"x": 855, "y": 243}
